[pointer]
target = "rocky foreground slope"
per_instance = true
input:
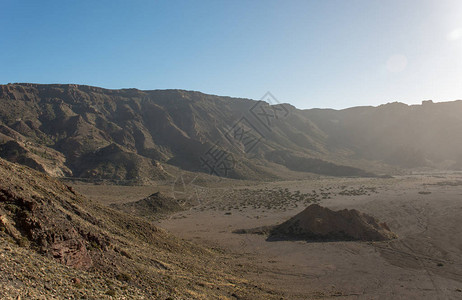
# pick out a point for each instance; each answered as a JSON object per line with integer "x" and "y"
{"x": 54, "y": 243}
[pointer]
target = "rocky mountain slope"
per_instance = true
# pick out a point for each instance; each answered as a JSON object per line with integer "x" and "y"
{"x": 133, "y": 135}
{"x": 426, "y": 135}
{"x": 56, "y": 243}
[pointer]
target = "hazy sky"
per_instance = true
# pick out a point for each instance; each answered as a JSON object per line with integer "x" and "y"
{"x": 321, "y": 53}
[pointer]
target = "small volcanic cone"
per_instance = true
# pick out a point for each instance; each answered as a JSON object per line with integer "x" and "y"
{"x": 153, "y": 205}
{"x": 318, "y": 223}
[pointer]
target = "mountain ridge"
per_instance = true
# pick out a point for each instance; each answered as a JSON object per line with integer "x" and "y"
{"x": 131, "y": 134}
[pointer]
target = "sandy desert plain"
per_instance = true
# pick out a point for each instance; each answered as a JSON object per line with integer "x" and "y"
{"x": 424, "y": 210}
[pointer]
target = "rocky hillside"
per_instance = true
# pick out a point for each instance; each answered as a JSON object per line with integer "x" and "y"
{"x": 133, "y": 135}
{"x": 56, "y": 243}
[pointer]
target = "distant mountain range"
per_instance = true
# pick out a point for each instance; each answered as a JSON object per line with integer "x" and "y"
{"x": 81, "y": 131}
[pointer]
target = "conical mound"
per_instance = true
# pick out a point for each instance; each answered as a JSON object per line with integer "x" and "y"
{"x": 151, "y": 206}
{"x": 318, "y": 223}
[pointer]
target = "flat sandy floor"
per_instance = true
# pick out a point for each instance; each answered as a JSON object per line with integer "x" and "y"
{"x": 424, "y": 263}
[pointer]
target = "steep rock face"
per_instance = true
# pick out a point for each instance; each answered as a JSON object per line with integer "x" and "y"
{"x": 36, "y": 156}
{"x": 317, "y": 223}
{"x": 114, "y": 162}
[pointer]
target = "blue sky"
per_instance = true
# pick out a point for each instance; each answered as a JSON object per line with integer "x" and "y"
{"x": 325, "y": 53}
